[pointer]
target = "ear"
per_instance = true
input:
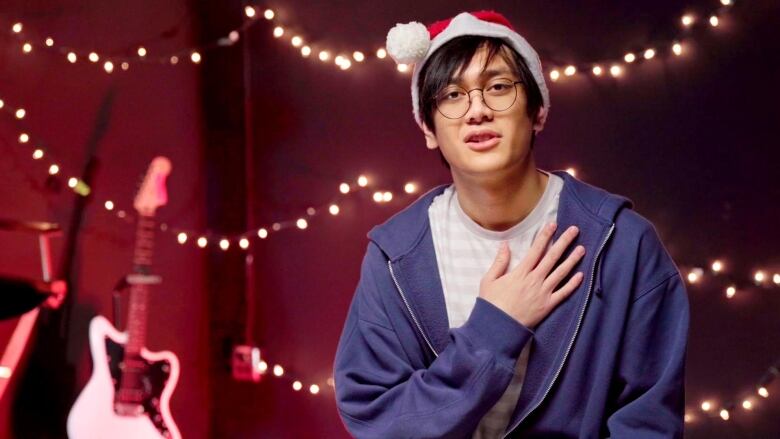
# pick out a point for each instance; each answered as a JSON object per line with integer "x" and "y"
{"x": 430, "y": 138}
{"x": 541, "y": 118}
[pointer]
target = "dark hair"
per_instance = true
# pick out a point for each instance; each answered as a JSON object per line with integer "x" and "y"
{"x": 454, "y": 56}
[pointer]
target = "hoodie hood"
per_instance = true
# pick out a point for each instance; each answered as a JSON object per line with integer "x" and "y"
{"x": 404, "y": 230}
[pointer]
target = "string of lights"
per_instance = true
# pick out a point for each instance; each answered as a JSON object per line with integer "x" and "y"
{"x": 298, "y": 385}
{"x": 345, "y": 59}
{"x": 747, "y": 401}
{"x": 39, "y": 153}
{"x": 688, "y": 23}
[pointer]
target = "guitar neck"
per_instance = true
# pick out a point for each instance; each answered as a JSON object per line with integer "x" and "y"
{"x": 139, "y": 292}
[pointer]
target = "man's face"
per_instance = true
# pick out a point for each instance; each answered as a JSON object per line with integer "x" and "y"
{"x": 483, "y": 141}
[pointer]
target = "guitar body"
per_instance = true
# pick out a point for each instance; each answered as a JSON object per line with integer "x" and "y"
{"x": 95, "y": 415}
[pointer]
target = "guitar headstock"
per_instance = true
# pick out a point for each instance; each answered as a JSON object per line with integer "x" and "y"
{"x": 153, "y": 193}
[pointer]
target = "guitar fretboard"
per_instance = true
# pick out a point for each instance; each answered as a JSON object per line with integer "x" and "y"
{"x": 139, "y": 292}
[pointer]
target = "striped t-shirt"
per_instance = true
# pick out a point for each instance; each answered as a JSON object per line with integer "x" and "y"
{"x": 464, "y": 252}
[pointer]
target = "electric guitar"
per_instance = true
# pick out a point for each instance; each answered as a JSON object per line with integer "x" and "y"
{"x": 129, "y": 391}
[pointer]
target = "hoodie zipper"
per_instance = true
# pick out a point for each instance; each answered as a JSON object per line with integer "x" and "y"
{"x": 571, "y": 342}
{"x": 409, "y": 308}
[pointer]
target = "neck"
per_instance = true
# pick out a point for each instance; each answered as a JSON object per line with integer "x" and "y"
{"x": 501, "y": 200}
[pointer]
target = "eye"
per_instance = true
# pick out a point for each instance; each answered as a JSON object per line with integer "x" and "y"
{"x": 499, "y": 86}
{"x": 452, "y": 94}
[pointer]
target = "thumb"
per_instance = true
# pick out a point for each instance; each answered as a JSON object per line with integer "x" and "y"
{"x": 500, "y": 264}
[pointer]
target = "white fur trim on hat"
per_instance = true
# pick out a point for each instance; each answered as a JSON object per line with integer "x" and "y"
{"x": 408, "y": 43}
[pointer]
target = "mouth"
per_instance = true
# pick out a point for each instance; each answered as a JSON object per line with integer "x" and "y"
{"x": 482, "y": 140}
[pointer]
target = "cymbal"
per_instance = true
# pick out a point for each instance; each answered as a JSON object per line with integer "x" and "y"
{"x": 29, "y": 226}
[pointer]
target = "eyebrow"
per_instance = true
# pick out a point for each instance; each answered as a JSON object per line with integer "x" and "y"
{"x": 489, "y": 73}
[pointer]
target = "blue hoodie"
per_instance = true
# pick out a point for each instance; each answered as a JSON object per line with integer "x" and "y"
{"x": 607, "y": 362}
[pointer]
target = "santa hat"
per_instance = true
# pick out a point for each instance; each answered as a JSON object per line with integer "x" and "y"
{"x": 413, "y": 43}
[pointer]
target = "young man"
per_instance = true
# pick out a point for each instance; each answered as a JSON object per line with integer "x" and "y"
{"x": 473, "y": 317}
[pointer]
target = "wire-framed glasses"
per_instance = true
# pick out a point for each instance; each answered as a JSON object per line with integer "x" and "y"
{"x": 453, "y": 102}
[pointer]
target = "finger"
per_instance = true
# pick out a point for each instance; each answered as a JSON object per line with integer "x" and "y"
{"x": 562, "y": 270}
{"x": 557, "y": 249}
{"x": 537, "y": 249}
{"x": 499, "y": 265}
{"x": 565, "y": 291}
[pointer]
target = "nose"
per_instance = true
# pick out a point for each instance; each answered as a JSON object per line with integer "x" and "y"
{"x": 478, "y": 110}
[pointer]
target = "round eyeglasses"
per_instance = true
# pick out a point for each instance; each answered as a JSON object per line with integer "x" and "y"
{"x": 499, "y": 94}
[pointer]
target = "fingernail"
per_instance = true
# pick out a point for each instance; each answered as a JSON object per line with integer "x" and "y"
{"x": 552, "y": 226}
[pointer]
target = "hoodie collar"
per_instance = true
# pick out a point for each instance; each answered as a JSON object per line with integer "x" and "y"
{"x": 403, "y": 231}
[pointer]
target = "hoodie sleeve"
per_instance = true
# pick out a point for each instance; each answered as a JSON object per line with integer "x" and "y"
{"x": 650, "y": 376}
{"x": 381, "y": 393}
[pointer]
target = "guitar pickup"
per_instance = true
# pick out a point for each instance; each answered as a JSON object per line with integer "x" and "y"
{"x": 143, "y": 279}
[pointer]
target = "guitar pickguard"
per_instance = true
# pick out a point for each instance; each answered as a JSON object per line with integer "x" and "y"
{"x": 151, "y": 382}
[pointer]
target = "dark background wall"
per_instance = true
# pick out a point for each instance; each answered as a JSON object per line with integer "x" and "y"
{"x": 690, "y": 140}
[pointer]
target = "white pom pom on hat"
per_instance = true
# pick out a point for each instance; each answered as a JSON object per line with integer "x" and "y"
{"x": 413, "y": 43}
{"x": 408, "y": 43}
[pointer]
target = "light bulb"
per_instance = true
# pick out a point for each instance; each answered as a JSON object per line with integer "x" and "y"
{"x": 362, "y": 181}
{"x": 358, "y": 56}
{"x": 142, "y": 51}
{"x": 714, "y": 21}
{"x": 262, "y": 233}
{"x": 268, "y": 14}
{"x": 555, "y": 74}
{"x": 344, "y": 188}
{"x": 333, "y": 209}
{"x": 202, "y": 242}
{"x": 250, "y": 12}
{"x": 301, "y": 223}
{"x": 181, "y": 237}
{"x": 195, "y": 57}
{"x": 381, "y": 53}
{"x": 278, "y": 31}
{"x": 243, "y": 243}
{"x": 109, "y": 205}
{"x": 410, "y": 188}
{"x": 597, "y": 70}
